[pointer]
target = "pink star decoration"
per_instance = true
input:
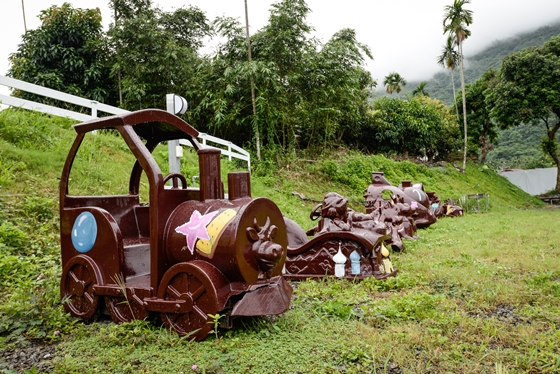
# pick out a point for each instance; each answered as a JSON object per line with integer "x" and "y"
{"x": 196, "y": 228}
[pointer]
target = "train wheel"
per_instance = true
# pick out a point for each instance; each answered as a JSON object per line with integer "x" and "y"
{"x": 78, "y": 278}
{"x": 123, "y": 310}
{"x": 191, "y": 282}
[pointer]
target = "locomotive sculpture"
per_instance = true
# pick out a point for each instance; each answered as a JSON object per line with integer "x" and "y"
{"x": 188, "y": 254}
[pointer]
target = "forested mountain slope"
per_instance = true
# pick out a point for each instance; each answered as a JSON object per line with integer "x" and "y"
{"x": 440, "y": 85}
{"x": 519, "y": 148}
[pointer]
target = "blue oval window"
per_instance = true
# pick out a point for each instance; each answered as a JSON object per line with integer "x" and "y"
{"x": 84, "y": 232}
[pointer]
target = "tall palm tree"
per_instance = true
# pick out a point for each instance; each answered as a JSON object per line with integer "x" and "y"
{"x": 449, "y": 59}
{"x": 455, "y": 21}
{"x": 394, "y": 83}
{"x": 420, "y": 90}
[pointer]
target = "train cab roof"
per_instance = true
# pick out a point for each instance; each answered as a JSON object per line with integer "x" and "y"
{"x": 150, "y": 124}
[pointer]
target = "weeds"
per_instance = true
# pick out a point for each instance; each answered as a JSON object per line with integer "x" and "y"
{"x": 439, "y": 315}
{"x": 215, "y": 322}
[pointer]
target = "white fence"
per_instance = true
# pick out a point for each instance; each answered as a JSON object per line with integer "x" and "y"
{"x": 228, "y": 148}
{"x": 93, "y": 105}
{"x": 231, "y": 150}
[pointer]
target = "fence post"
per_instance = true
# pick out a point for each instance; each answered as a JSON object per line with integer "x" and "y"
{"x": 175, "y": 105}
{"x": 94, "y": 108}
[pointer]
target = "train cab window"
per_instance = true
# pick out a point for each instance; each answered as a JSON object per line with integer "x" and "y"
{"x": 102, "y": 166}
{"x": 386, "y": 195}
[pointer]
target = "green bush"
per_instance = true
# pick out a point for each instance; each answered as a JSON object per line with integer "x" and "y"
{"x": 11, "y": 235}
{"x": 41, "y": 208}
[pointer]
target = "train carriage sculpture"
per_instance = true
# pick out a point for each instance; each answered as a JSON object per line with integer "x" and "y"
{"x": 412, "y": 195}
{"x": 187, "y": 254}
{"x": 344, "y": 243}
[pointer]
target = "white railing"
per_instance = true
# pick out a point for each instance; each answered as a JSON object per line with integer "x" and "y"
{"x": 230, "y": 150}
{"x": 93, "y": 105}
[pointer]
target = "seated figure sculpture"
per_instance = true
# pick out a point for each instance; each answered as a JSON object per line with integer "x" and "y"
{"x": 447, "y": 209}
{"x": 407, "y": 193}
{"x": 397, "y": 215}
{"x": 342, "y": 237}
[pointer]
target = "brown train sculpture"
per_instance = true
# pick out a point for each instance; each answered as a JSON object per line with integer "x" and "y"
{"x": 187, "y": 254}
{"x": 344, "y": 243}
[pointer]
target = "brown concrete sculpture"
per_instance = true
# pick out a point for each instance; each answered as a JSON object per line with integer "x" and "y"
{"x": 188, "y": 254}
{"x": 397, "y": 215}
{"x": 447, "y": 209}
{"x": 413, "y": 195}
{"x": 345, "y": 243}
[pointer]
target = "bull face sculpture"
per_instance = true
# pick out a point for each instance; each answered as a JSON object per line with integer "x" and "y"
{"x": 266, "y": 252}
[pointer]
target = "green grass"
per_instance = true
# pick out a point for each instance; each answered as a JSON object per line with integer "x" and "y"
{"x": 480, "y": 293}
{"x": 441, "y": 314}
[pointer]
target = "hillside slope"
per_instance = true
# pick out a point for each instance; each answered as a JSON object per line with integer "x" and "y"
{"x": 34, "y": 146}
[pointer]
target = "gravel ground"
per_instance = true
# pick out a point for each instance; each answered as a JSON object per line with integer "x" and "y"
{"x": 35, "y": 355}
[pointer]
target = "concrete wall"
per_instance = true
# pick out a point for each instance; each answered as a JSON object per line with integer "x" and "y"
{"x": 533, "y": 181}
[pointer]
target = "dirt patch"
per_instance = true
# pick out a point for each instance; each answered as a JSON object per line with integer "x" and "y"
{"x": 505, "y": 313}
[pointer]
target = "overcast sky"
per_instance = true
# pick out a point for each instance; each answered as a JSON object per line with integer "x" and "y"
{"x": 405, "y": 36}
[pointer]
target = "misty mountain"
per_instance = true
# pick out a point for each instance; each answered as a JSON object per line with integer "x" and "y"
{"x": 517, "y": 147}
{"x": 440, "y": 85}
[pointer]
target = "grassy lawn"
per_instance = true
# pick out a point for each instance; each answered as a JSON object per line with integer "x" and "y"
{"x": 474, "y": 294}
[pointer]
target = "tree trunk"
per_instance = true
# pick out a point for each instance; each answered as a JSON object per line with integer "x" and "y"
{"x": 464, "y": 106}
{"x": 454, "y": 93}
{"x": 554, "y": 154}
{"x": 255, "y": 119}
{"x": 119, "y": 73}
{"x": 485, "y": 147}
{"x": 24, "y": 22}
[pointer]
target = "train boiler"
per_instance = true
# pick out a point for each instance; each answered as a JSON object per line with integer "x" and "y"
{"x": 186, "y": 254}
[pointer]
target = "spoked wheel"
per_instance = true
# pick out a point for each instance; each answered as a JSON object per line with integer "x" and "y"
{"x": 191, "y": 282}
{"x": 124, "y": 309}
{"x": 78, "y": 278}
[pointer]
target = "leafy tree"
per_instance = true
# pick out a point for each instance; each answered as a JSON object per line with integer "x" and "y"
{"x": 418, "y": 126}
{"x": 307, "y": 94}
{"x": 284, "y": 45}
{"x": 394, "y": 83}
{"x": 67, "y": 53}
{"x": 449, "y": 59}
{"x": 336, "y": 89}
{"x": 529, "y": 92}
{"x": 481, "y": 125}
{"x": 155, "y": 52}
{"x": 455, "y": 21}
